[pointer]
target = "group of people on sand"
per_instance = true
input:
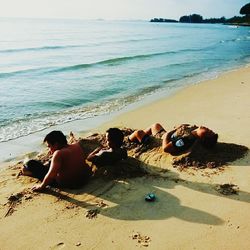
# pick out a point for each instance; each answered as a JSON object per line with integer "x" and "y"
{"x": 68, "y": 166}
{"x": 179, "y": 139}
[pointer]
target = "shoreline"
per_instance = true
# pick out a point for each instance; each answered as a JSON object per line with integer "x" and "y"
{"x": 19, "y": 148}
{"x": 175, "y": 114}
{"x": 189, "y": 208}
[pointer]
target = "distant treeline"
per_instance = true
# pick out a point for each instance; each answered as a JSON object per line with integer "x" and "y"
{"x": 196, "y": 18}
{"x": 162, "y": 20}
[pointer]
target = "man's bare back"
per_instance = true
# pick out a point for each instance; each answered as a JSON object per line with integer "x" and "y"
{"x": 68, "y": 167}
{"x": 73, "y": 170}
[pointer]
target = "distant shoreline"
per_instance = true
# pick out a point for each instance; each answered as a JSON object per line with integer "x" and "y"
{"x": 238, "y": 24}
{"x": 196, "y": 18}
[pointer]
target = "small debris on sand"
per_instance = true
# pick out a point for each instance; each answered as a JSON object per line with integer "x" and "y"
{"x": 13, "y": 200}
{"x": 227, "y": 189}
{"x": 71, "y": 206}
{"x": 92, "y": 213}
{"x": 101, "y": 203}
{"x": 142, "y": 240}
{"x": 16, "y": 199}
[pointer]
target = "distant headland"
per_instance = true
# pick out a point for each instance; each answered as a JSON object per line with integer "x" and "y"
{"x": 196, "y": 18}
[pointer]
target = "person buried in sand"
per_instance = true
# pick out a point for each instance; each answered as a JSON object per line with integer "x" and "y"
{"x": 183, "y": 138}
{"x": 113, "y": 152}
{"x": 68, "y": 167}
{"x": 178, "y": 140}
{"x": 142, "y": 136}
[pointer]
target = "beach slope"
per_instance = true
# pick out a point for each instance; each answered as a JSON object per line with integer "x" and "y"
{"x": 195, "y": 208}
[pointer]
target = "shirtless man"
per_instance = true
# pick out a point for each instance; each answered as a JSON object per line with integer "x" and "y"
{"x": 68, "y": 167}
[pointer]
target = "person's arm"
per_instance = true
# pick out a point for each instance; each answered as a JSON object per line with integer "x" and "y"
{"x": 184, "y": 125}
{"x": 53, "y": 170}
{"x": 92, "y": 155}
{"x": 168, "y": 135}
{"x": 167, "y": 144}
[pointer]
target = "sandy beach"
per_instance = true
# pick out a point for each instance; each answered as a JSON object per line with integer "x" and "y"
{"x": 191, "y": 211}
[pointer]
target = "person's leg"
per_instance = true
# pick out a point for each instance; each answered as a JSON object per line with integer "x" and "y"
{"x": 35, "y": 169}
{"x": 137, "y": 136}
{"x": 154, "y": 129}
{"x": 148, "y": 130}
{"x": 157, "y": 128}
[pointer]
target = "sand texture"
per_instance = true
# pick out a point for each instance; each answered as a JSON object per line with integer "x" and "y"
{"x": 202, "y": 198}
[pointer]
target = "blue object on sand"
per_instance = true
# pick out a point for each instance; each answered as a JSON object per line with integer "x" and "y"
{"x": 150, "y": 197}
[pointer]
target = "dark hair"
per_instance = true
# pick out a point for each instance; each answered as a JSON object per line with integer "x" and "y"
{"x": 116, "y": 135}
{"x": 209, "y": 141}
{"x": 55, "y": 137}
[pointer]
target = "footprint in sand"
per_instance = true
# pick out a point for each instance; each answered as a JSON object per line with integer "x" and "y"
{"x": 141, "y": 239}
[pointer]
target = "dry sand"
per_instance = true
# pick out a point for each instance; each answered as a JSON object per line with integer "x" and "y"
{"x": 191, "y": 211}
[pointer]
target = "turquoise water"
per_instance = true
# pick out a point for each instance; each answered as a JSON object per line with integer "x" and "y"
{"x": 56, "y": 71}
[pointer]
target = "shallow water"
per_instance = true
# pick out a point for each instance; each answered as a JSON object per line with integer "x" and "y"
{"x": 56, "y": 71}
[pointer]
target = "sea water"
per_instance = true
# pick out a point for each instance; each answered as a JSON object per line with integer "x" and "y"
{"x": 56, "y": 71}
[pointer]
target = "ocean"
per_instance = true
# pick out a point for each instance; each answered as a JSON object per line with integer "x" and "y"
{"x": 55, "y": 71}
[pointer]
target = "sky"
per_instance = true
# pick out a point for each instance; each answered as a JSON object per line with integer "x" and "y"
{"x": 120, "y": 9}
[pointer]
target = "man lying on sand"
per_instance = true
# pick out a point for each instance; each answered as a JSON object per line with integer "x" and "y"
{"x": 68, "y": 167}
{"x": 178, "y": 140}
{"x": 113, "y": 152}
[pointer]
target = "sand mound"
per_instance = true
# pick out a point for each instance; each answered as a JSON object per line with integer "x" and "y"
{"x": 201, "y": 157}
{"x": 149, "y": 158}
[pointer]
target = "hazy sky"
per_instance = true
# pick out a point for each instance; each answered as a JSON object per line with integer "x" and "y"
{"x": 119, "y": 9}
